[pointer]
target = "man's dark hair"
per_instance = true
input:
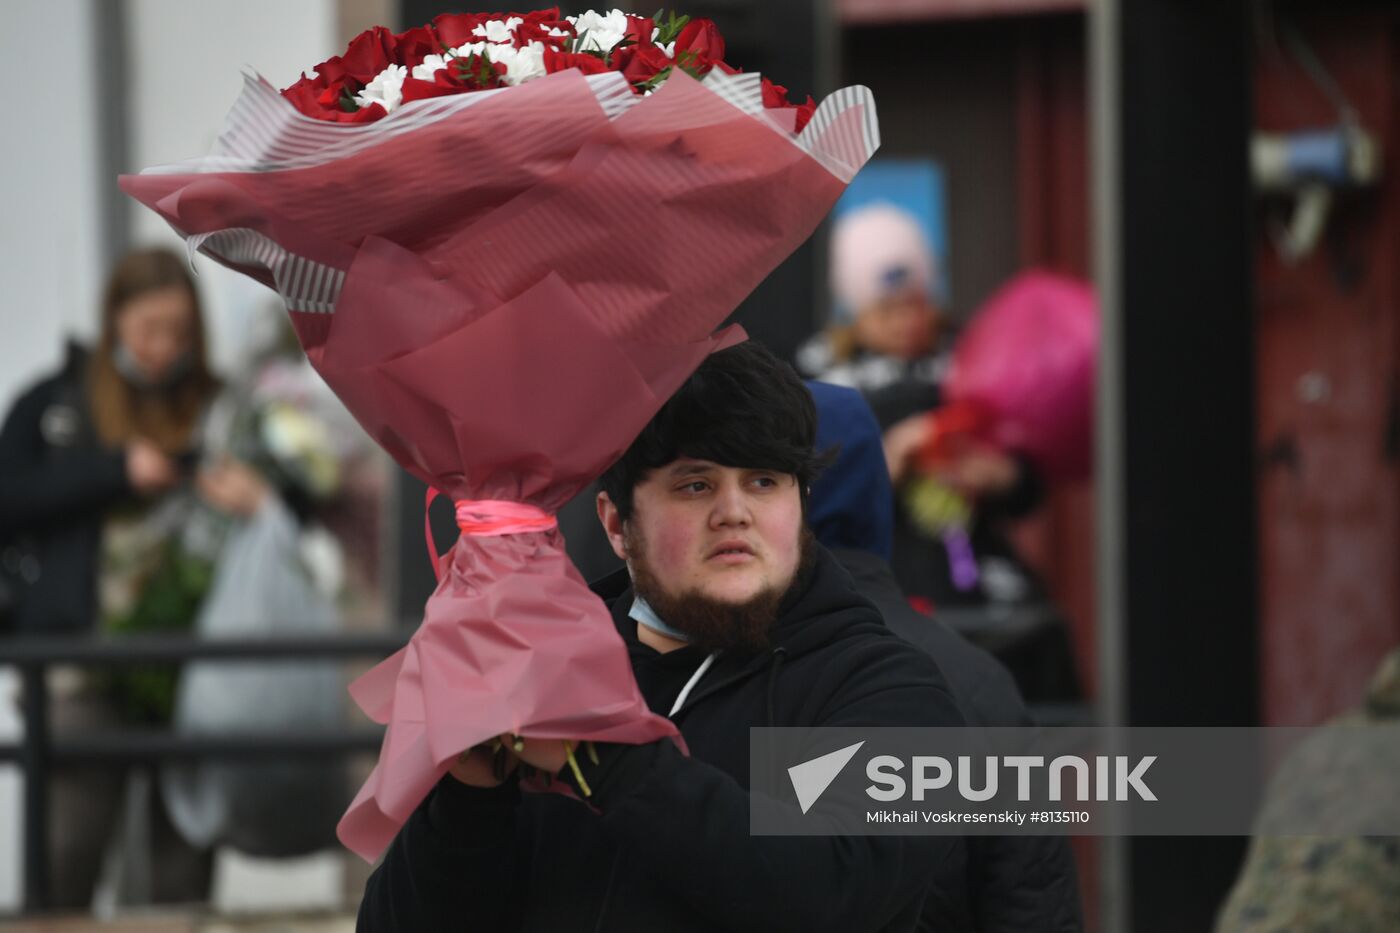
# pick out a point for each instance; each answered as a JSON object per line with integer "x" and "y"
{"x": 743, "y": 407}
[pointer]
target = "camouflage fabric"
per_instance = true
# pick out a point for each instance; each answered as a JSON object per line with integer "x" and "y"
{"x": 1337, "y": 884}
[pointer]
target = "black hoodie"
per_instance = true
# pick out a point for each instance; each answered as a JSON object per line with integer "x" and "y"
{"x": 671, "y": 850}
{"x": 1009, "y": 884}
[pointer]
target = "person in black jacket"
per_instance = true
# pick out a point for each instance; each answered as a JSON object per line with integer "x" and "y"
{"x": 1000, "y": 883}
{"x": 86, "y": 456}
{"x": 733, "y": 617}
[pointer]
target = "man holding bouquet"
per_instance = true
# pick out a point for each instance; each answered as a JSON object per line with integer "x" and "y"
{"x": 733, "y": 617}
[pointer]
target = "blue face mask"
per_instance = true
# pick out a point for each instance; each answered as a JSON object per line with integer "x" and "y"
{"x": 642, "y": 612}
{"x": 125, "y": 362}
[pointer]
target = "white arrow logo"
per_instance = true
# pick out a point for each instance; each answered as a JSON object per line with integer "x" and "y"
{"x": 811, "y": 778}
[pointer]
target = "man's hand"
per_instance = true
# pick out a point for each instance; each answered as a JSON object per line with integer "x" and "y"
{"x": 476, "y": 766}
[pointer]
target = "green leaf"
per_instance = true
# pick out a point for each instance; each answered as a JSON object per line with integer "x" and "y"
{"x": 689, "y": 62}
{"x": 652, "y": 83}
{"x": 669, "y": 30}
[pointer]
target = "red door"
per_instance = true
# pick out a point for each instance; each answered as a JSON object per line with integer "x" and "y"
{"x": 1329, "y": 500}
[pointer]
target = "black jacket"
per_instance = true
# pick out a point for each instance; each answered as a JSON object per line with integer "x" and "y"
{"x": 671, "y": 850}
{"x": 56, "y": 481}
{"x": 1012, "y": 884}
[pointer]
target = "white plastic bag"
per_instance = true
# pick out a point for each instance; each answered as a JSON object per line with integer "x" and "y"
{"x": 266, "y": 808}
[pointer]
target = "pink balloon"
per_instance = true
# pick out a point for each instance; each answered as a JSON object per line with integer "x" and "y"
{"x": 1028, "y": 358}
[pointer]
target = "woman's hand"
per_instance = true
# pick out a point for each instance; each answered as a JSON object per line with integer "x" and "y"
{"x": 233, "y": 487}
{"x": 972, "y": 468}
{"x": 903, "y": 441}
{"x": 148, "y": 470}
{"x": 979, "y": 470}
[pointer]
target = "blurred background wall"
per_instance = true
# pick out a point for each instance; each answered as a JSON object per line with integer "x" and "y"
{"x": 128, "y": 83}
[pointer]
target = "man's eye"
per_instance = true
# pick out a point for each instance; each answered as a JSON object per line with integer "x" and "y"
{"x": 694, "y": 487}
{"x": 766, "y": 482}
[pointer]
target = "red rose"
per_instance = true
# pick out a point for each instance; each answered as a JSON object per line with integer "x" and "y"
{"x": 418, "y": 89}
{"x": 364, "y": 115}
{"x": 321, "y": 99}
{"x": 774, "y": 95}
{"x": 472, "y": 73}
{"x": 560, "y": 61}
{"x": 702, "y": 40}
{"x": 526, "y": 33}
{"x": 305, "y": 95}
{"x": 538, "y": 25}
{"x": 775, "y": 98}
{"x": 416, "y": 44}
{"x": 455, "y": 29}
{"x": 804, "y": 113}
{"x": 639, "y": 30}
{"x": 327, "y": 107}
{"x": 370, "y": 53}
{"x": 641, "y": 63}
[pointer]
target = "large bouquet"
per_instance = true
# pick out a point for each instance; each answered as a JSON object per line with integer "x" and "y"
{"x": 504, "y": 241}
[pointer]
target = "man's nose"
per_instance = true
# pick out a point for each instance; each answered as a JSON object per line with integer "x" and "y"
{"x": 731, "y": 506}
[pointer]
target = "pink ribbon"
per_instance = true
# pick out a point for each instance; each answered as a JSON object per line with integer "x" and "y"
{"x": 487, "y": 518}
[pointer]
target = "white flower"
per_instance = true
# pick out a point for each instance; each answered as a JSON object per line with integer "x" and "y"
{"x": 386, "y": 89}
{"x": 502, "y": 55}
{"x": 525, "y": 64}
{"x": 301, "y": 444}
{"x": 497, "y": 31}
{"x": 669, "y": 48}
{"x": 558, "y": 33}
{"x": 599, "y": 31}
{"x": 431, "y": 65}
{"x": 469, "y": 49}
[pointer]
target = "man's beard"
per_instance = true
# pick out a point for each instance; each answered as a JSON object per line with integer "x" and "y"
{"x": 712, "y": 624}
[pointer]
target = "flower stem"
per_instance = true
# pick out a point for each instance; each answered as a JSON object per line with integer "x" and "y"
{"x": 578, "y": 772}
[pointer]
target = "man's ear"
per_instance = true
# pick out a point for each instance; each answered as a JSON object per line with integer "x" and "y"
{"x": 612, "y": 525}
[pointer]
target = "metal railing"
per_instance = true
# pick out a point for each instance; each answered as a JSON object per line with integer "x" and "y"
{"x": 40, "y": 751}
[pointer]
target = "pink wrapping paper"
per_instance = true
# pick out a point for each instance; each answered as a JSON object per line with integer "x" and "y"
{"x": 1028, "y": 361}
{"x": 503, "y": 288}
